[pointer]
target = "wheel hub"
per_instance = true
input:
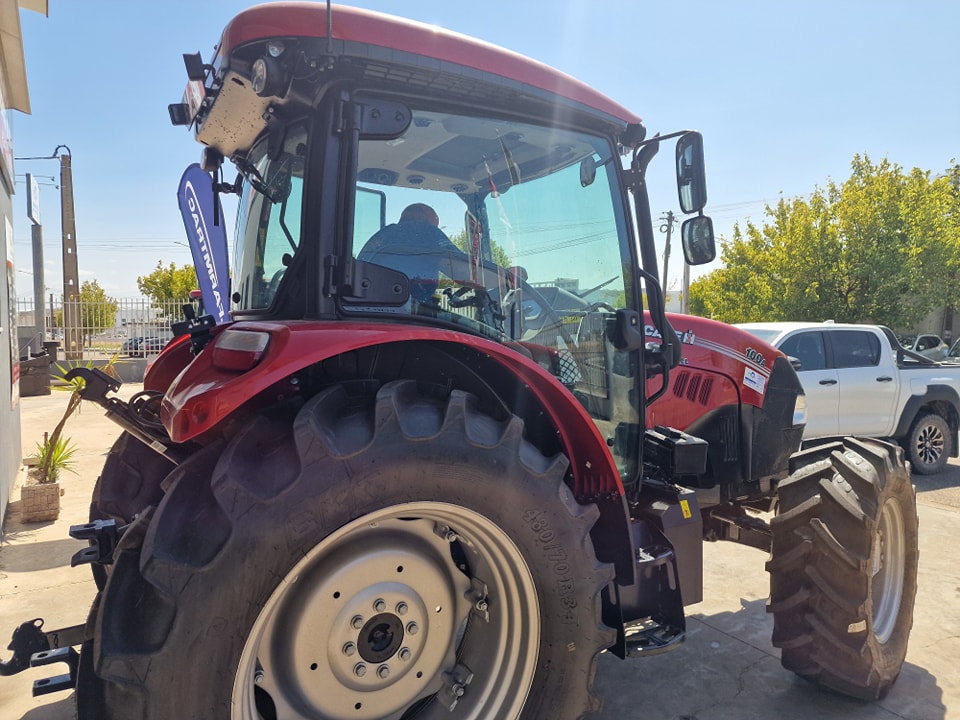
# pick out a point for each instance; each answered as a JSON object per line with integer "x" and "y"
{"x": 376, "y": 637}
{"x": 380, "y": 638}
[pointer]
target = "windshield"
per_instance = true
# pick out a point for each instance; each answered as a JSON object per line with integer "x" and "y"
{"x": 768, "y": 336}
{"x": 521, "y": 215}
{"x": 510, "y": 230}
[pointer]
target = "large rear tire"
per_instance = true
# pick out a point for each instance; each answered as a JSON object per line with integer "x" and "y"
{"x": 843, "y": 566}
{"x": 382, "y": 558}
{"x": 129, "y": 483}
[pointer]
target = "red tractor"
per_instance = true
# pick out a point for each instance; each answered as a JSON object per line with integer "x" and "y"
{"x": 412, "y": 477}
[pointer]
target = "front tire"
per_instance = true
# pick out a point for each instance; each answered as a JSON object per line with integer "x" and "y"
{"x": 843, "y": 566}
{"x": 383, "y": 558}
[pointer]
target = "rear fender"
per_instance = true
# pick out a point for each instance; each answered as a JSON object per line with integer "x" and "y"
{"x": 204, "y": 395}
{"x": 168, "y": 364}
{"x": 941, "y": 399}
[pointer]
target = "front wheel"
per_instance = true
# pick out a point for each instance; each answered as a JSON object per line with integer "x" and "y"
{"x": 843, "y": 566}
{"x": 386, "y": 557}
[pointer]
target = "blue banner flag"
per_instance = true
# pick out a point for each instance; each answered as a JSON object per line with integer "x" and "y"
{"x": 208, "y": 242}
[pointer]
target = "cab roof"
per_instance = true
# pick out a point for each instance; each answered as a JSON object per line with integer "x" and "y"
{"x": 348, "y": 24}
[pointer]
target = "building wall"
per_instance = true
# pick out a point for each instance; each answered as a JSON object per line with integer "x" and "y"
{"x": 13, "y": 98}
{"x": 10, "y": 459}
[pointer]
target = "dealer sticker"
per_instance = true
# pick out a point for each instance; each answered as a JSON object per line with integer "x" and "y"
{"x": 754, "y": 380}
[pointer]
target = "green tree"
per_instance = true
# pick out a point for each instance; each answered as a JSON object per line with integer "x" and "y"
{"x": 500, "y": 256}
{"x": 98, "y": 312}
{"x": 168, "y": 284}
{"x": 880, "y": 247}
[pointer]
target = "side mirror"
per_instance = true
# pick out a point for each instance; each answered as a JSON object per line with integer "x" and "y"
{"x": 699, "y": 246}
{"x": 691, "y": 177}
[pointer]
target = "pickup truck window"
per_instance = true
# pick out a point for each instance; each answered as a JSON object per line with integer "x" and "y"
{"x": 853, "y": 348}
{"x": 806, "y": 347}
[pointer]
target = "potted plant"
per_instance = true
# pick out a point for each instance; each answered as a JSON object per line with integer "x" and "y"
{"x": 40, "y": 497}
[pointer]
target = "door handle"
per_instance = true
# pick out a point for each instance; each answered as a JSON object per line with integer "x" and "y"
{"x": 828, "y": 381}
{"x": 884, "y": 378}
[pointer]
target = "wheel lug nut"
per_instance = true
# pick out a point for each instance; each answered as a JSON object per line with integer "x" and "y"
{"x": 402, "y": 608}
{"x": 359, "y": 669}
{"x": 405, "y": 654}
{"x": 379, "y": 605}
{"x": 413, "y": 628}
{"x": 357, "y": 622}
{"x": 451, "y": 537}
{"x": 383, "y": 672}
{"x": 349, "y": 649}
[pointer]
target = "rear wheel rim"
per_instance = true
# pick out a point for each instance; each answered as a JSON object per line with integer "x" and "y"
{"x": 889, "y": 568}
{"x": 930, "y": 444}
{"x": 381, "y": 617}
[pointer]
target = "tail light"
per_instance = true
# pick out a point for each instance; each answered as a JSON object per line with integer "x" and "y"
{"x": 239, "y": 350}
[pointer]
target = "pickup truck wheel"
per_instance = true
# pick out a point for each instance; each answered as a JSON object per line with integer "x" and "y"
{"x": 380, "y": 557}
{"x": 843, "y": 566}
{"x": 929, "y": 444}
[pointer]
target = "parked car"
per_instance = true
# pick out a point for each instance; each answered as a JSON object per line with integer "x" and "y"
{"x": 859, "y": 380}
{"x": 151, "y": 346}
{"x": 143, "y": 346}
{"x": 930, "y": 346}
{"x": 131, "y": 346}
{"x": 953, "y": 356}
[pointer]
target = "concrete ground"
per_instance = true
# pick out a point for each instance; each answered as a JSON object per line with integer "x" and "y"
{"x": 726, "y": 670}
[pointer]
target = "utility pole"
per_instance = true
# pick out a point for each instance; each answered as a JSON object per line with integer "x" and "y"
{"x": 72, "y": 329}
{"x": 666, "y": 227}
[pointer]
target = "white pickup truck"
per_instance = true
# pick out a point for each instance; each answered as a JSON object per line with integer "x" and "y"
{"x": 859, "y": 380}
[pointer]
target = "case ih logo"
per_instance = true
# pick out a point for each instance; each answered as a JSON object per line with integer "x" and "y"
{"x": 687, "y": 337}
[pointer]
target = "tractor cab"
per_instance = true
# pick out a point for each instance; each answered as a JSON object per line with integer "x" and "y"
{"x": 487, "y": 197}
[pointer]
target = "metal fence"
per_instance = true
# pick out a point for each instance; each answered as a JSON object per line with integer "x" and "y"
{"x": 135, "y": 327}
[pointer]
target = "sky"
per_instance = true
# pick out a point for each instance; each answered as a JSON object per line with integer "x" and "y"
{"x": 785, "y": 94}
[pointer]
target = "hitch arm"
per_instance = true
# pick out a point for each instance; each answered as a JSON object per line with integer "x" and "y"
{"x": 96, "y": 385}
{"x": 29, "y": 639}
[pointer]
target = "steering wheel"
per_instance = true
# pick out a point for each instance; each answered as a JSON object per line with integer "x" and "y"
{"x": 552, "y": 317}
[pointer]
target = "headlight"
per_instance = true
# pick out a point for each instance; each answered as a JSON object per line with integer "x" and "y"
{"x": 800, "y": 410}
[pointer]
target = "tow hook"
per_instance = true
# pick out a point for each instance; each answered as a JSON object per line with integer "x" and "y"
{"x": 27, "y": 640}
{"x": 34, "y": 648}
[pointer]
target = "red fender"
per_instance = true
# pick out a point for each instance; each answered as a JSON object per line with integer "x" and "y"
{"x": 203, "y": 395}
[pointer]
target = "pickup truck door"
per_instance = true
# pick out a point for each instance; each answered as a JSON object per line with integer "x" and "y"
{"x": 820, "y": 382}
{"x": 867, "y": 381}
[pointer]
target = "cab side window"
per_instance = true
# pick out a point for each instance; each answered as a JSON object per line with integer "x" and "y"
{"x": 854, "y": 348}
